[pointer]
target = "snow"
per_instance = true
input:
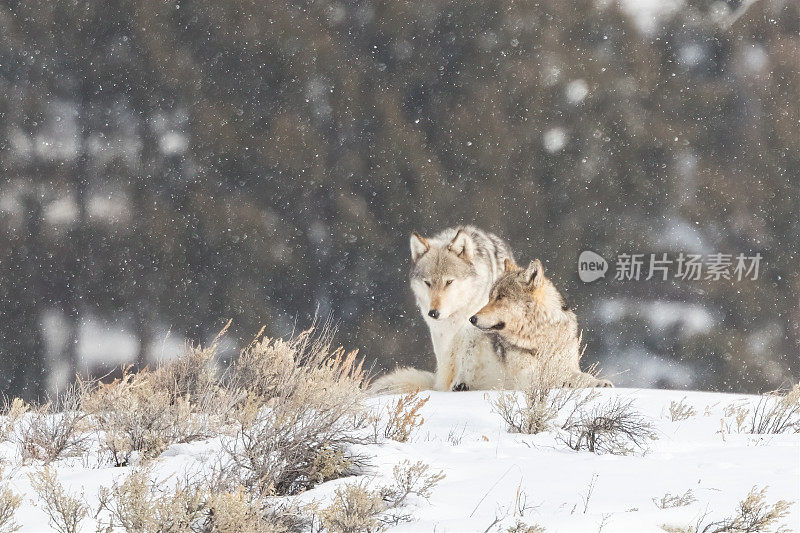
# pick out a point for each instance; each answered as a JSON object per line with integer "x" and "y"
{"x": 576, "y": 91}
{"x": 489, "y": 470}
{"x": 649, "y": 14}
{"x": 554, "y": 140}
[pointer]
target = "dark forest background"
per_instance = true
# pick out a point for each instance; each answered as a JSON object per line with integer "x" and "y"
{"x": 168, "y": 165}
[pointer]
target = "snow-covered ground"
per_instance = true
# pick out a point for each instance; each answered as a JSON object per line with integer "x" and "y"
{"x": 495, "y": 475}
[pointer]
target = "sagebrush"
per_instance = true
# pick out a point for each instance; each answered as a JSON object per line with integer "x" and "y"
{"x": 614, "y": 427}
{"x": 542, "y": 400}
{"x": 356, "y": 508}
{"x": 752, "y": 515}
{"x": 9, "y": 503}
{"x": 55, "y": 429}
{"x": 302, "y": 414}
{"x": 404, "y": 416}
{"x": 65, "y": 510}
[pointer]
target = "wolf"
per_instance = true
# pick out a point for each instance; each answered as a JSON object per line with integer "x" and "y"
{"x": 452, "y": 274}
{"x": 533, "y": 330}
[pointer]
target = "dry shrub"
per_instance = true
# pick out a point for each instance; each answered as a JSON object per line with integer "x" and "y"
{"x": 680, "y": 410}
{"x": 777, "y": 413}
{"x": 56, "y": 429}
{"x": 9, "y": 503}
{"x": 302, "y": 414}
{"x": 239, "y": 511}
{"x": 738, "y": 413}
{"x": 65, "y": 511}
{"x": 143, "y": 413}
{"x": 404, "y": 416}
{"x": 670, "y": 528}
{"x": 668, "y": 501}
{"x": 522, "y": 527}
{"x": 753, "y": 515}
{"x": 133, "y": 416}
{"x": 138, "y": 504}
{"x": 10, "y": 414}
{"x": 542, "y": 400}
{"x": 193, "y": 378}
{"x": 356, "y": 508}
{"x": 773, "y": 414}
{"x": 614, "y": 427}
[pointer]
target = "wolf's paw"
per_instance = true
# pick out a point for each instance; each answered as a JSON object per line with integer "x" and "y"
{"x": 461, "y": 387}
{"x": 603, "y": 383}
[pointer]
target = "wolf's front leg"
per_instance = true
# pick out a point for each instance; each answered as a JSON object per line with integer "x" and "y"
{"x": 463, "y": 363}
{"x": 446, "y": 370}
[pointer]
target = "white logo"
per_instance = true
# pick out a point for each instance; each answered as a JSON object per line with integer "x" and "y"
{"x": 591, "y": 266}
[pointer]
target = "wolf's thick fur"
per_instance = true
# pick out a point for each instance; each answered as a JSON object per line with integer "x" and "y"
{"x": 451, "y": 276}
{"x": 533, "y": 329}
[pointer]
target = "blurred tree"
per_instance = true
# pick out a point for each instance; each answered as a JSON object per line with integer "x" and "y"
{"x": 196, "y": 161}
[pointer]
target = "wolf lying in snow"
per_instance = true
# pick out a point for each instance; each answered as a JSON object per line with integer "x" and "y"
{"x": 451, "y": 276}
{"x": 534, "y": 333}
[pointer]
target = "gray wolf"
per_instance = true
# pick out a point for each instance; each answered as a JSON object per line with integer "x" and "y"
{"x": 531, "y": 326}
{"x": 452, "y": 274}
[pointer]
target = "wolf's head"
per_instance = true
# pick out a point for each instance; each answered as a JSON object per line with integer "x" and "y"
{"x": 445, "y": 278}
{"x": 518, "y": 298}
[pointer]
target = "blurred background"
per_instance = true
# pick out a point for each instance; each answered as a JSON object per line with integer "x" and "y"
{"x": 166, "y": 165}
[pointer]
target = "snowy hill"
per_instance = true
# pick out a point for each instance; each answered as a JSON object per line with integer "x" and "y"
{"x": 496, "y": 479}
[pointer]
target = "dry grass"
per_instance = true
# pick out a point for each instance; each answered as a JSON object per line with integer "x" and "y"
{"x": 137, "y": 505}
{"x": 55, "y": 429}
{"x": 774, "y": 413}
{"x": 404, "y": 416}
{"x": 64, "y": 510}
{"x": 753, "y": 515}
{"x": 290, "y": 413}
{"x": 9, "y": 503}
{"x": 542, "y": 400}
{"x": 303, "y": 412}
{"x": 134, "y": 417}
{"x": 147, "y": 506}
{"x": 356, "y": 508}
{"x": 614, "y": 427}
{"x": 522, "y": 527}
{"x": 10, "y": 414}
{"x": 141, "y": 414}
{"x": 668, "y": 501}
{"x": 680, "y": 410}
{"x": 777, "y": 413}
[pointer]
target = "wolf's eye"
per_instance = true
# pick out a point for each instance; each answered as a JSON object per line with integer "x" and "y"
{"x": 448, "y": 282}
{"x": 428, "y": 283}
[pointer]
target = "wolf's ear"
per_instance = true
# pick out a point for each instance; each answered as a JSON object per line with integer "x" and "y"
{"x": 419, "y": 245}
{"x": 509, "y": 265}
{"x": 534, "y": 274}
{"x": 462, "y": 245}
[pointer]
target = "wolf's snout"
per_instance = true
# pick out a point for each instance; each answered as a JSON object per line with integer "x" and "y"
{"x": 433, "y": 313}
{"x": 473, "y": 320}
